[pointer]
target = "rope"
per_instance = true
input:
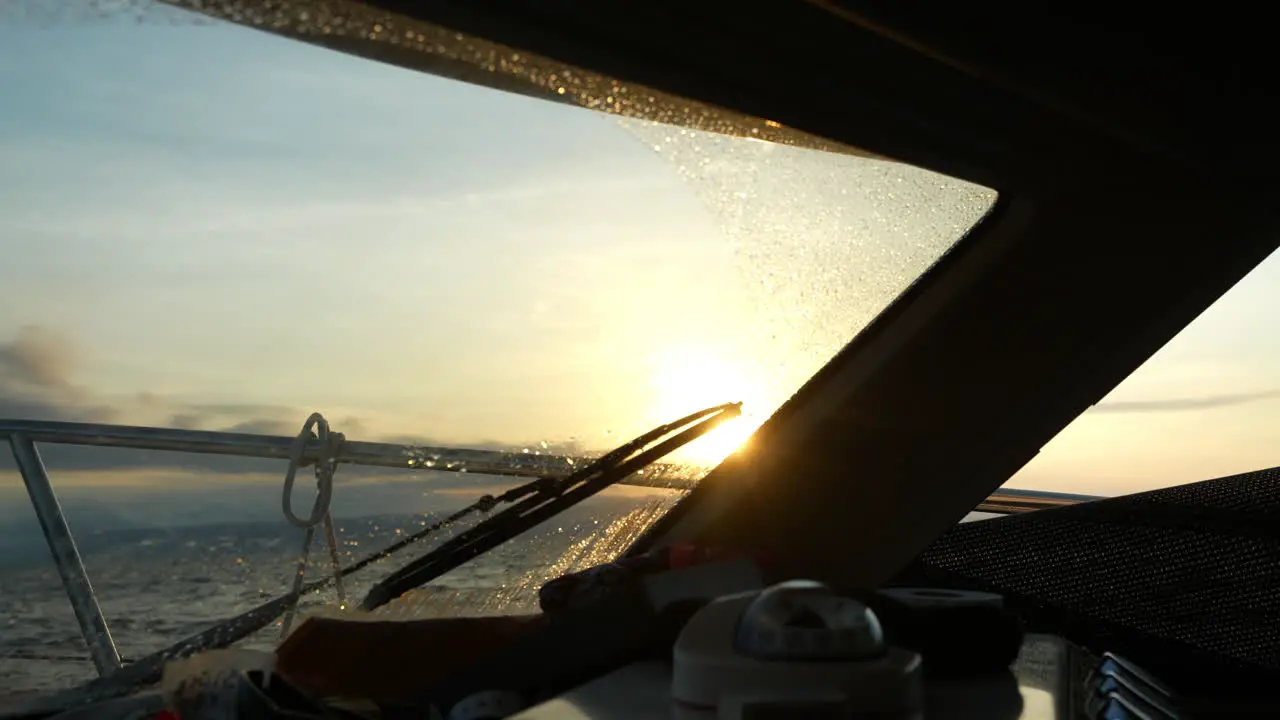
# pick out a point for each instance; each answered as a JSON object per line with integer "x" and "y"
{"x": 315, "y": 428}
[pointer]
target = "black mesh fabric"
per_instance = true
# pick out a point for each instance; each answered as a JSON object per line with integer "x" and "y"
{"x": 1187, "y": 578}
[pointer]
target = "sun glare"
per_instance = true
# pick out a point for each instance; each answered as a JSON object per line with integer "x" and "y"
{"x": 689, "y": 380}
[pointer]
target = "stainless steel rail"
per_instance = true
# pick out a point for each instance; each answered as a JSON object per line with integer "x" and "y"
{"x": 84, "y": 602}
{"x": 24, "y": 434}
{"x": 413, "y": 457}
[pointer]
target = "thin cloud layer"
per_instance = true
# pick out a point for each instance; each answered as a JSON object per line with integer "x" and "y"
{"x": 1207, "y": 402}
{"x": 38, "y": 382}
{"x": 37, "y": 368}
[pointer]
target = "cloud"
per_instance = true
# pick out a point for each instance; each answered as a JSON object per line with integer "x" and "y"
{"x": 37, "y": 357}
{"x": 185, "y": 421}
{"x": 262, "y": 426}
{"x": 37, "y": 368}
{"x": 1177, "y": 404}
{"x": 565, "y": 448}
{"x": 37, "y": 382}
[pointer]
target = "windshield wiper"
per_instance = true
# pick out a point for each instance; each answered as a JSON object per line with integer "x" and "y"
{"x": 543, "y": 499}
{"x": 535, "y": 502}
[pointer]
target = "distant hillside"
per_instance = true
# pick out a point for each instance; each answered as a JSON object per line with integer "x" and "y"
{"x": 196, "y": 498}
{"x": 152, "y": 520}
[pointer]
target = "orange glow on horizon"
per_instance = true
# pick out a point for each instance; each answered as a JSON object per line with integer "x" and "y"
{"x": 691, "y": 379}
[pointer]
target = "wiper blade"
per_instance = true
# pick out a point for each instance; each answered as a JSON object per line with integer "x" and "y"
{"x": 542, "y": 499}
{"x": 546, "y": 498}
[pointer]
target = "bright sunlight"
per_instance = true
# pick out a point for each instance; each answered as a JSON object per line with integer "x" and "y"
{"x": 688, "y": 380}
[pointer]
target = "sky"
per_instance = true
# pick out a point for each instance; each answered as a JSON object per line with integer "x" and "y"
{"x": 209, "y": 227}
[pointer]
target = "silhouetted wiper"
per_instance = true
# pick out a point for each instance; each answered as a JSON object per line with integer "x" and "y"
{"x": 540, "y": 500}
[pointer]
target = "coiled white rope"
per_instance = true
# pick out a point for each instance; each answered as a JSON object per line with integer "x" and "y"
{"x": 326, "y": 463}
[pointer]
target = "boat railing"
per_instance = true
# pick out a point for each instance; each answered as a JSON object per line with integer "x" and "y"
{"x": 24, "y": 435}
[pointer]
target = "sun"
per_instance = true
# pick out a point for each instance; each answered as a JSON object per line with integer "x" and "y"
{"x": 720, "y": 442}
{"x": 688, "y": 380}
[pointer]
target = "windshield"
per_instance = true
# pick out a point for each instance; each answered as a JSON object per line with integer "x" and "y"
{"x": 206, "y": 226}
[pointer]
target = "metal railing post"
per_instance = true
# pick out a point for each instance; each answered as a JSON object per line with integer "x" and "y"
{"x": 93, "y": 626}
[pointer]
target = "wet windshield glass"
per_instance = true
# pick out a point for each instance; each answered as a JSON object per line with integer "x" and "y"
{"x": 206, "y": 226}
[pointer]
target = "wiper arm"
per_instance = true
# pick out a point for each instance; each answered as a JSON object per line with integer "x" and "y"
{"x": 546, "y": 498}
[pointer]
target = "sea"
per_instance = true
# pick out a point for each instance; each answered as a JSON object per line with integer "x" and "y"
{"x": 159, "y": 584}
